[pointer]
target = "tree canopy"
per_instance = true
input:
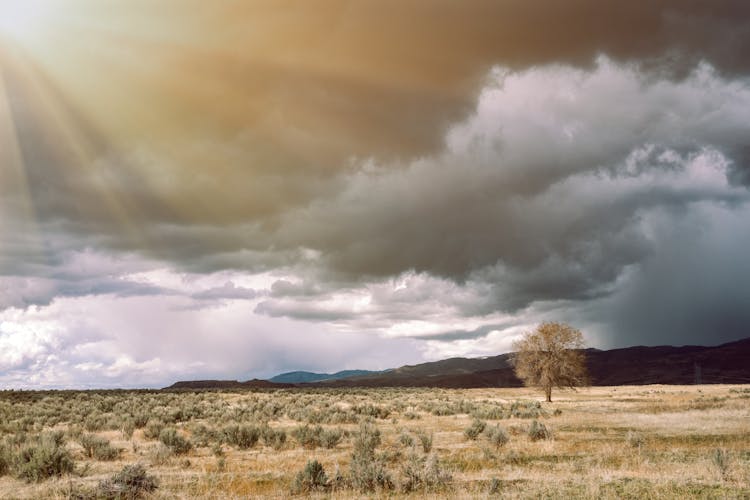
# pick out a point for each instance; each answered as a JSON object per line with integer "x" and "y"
{"x": 551, "y": 356}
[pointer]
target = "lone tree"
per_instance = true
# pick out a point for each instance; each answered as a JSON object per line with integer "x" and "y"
{"x": 551, "y": 356}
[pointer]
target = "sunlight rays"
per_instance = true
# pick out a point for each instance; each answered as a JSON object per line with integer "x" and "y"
{"x": 22, "y": 19}
{"x": 51, "y": 144}
{"x": 14, "y": 185}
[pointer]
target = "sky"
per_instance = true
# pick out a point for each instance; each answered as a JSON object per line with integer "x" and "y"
{"x": 235, "y": 189}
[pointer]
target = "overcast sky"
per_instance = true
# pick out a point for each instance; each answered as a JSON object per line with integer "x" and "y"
{"x": 235, "y": 189}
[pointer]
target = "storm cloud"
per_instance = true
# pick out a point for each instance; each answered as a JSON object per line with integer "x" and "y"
{"x": 432, "y": 177}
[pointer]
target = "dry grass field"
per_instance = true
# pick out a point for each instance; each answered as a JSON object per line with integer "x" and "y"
{"x": 600, "y": 442}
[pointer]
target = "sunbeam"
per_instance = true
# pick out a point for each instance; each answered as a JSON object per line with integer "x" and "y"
{"x": 22, "y": 20}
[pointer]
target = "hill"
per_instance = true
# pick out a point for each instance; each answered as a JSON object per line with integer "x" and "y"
{"x": 227, "y": 384}
{"x": 639, "y": 365}
{"x": 304, "y": 377}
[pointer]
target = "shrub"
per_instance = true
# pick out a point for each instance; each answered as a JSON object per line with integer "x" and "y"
{"x": 489, "y": 412}
{"x": 425, "y": 440}
{"x": 366, "y": 440}
{"x": 311, "y": 478}
{"x": 140, "y": 420}
{"x": 95, "y": 422}
{"x": 5, "y": 460}
{"x": 634, "y": 439}
{"x": 160, "y": 454}
{"x": 423, "y": 473}
{"x": 127, "y": 428}
{"x": 178, "y": 444}
{"x": 47, "y": 458}
{"x": 98, "y": 448}
{"x": 405, "y": 439}
{"x": 495, "y": 486}
{"x": 204, "y": 436}
{"x": 313, "y": 437}
{"x": 475, "y": 429}
{"x": 527, "y": 409}
{"x": 539, "y": 431}
{"x": 272, "y": 437}
{"x": 241, "y": 436}
{"x": 497, "y": 436}
{"x": 368, "y": 473}
{"x": 307, "y": 436}
{"x": 329, "y": 438}
{"x": 130, "y": 483}
{"x": 721, "y": 460}
{"x": 372, "y": 411}
{"x": 153, "y": 429}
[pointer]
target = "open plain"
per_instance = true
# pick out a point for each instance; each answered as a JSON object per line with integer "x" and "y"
{"x": 599, "y": 442}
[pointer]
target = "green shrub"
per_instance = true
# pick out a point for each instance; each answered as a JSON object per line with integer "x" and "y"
{"x": 497, "y": 436}
{"x": 539, "y": 431}
{"x": 204, "y": 436}
{"x": 314, "y": 437}
{"x": 372, "y": 411}
{"x": 153, "y": 429}
{"x": 366, "y": 440}
{"x": 178, "y": 444}
{"x": 95, "y": 422}
{"x": 98, "y": 448}
{"x": 329, "y": 438}
{"x": 273, "y": 437}
{"x": 140, "y": 420}
{"x": 489, "y": 412}
{"x": 47, "y": 458}
{"x": 475, "y": 429}
{"x": 307, "y": 436}
{"x": 130, "y": 483}
{"x": 425, "y": 440}
{"x": 405, "y": 439}
{"x": 367, "y": 470}
{"x": 127, "y": 428}
{"x": 241, "y": 436}
{"x": 311, "y": 478}
{"x": 420, "y": 473}
{"x": 527, "y": 409}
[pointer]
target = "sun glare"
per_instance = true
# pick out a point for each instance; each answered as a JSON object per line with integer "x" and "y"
{"x": 21, "y": 19}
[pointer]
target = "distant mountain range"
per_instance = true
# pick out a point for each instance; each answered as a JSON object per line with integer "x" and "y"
{"x": 306, "y": 377}
{"x": 727, "y": 363}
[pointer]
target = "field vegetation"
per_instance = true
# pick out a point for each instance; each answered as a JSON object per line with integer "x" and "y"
{"x": 600, "y": 442}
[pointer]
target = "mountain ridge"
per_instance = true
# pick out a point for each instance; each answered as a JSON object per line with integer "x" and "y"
{"x": 637, "y": 365}
{"x": 297, "y": 377}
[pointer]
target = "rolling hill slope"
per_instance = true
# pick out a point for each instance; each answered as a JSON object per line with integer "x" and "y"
{"x": 640, "y": 365}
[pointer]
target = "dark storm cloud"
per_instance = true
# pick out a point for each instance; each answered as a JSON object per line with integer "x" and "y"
{"x": 305, "y": 90}
{"x": 692, "y": 291}
{"x": 549, "y": 193}
{"x": 514, "y": 151}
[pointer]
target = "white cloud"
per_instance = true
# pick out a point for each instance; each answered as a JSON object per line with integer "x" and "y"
{"x": 552, "y": 201}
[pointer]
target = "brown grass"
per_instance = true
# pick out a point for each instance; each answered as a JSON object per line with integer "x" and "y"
{"x": 608, "y": 442}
